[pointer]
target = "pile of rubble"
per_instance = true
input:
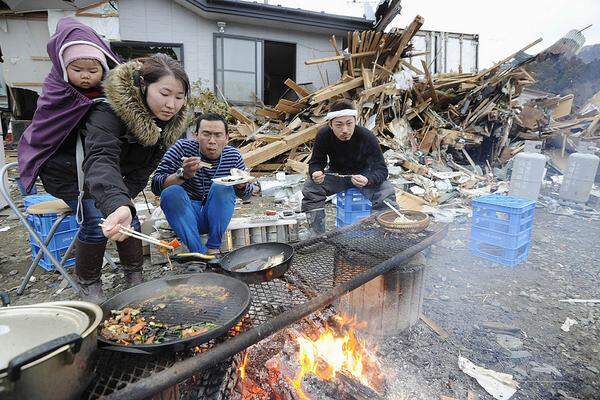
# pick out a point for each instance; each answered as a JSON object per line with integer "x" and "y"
{"x": 443, "y": 134}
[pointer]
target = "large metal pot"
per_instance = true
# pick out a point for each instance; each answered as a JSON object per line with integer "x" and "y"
{"x": 52, "y": 345}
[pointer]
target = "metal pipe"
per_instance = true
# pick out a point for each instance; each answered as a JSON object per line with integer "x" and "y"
{"x": 6, "y": 195}
{"x": 182, "y": 370}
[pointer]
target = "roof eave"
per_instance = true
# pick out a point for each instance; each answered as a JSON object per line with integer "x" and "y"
{"x": 282, "y": 14}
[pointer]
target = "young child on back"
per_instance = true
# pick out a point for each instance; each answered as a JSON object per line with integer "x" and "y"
{"x": 86, "y": 66}
{"x": 80, "y": 60}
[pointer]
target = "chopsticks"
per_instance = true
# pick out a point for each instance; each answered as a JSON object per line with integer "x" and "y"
{"x": 144, "y": 238}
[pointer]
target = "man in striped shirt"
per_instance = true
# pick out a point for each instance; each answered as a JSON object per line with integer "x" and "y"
{"x": 192, "y": 204}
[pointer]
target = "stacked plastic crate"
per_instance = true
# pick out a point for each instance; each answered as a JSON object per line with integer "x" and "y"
{"x": 501, "y": 228}
{"x": 41, "y": 224}
{"x": 351, "y": 206}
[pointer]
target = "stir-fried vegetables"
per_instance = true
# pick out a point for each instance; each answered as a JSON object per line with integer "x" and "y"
{"x": 132, "y": 326}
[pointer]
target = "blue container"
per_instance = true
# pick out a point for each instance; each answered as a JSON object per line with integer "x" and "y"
{"x": 41, "y": 224}
{"x": 508, "y": 257}
{"x": 501, "y": 228}
{"x": 351, "y": 206}
{"x": 503, "y": 214}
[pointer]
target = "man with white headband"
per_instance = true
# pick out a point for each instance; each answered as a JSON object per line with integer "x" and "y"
{"x": 344, "y": 155}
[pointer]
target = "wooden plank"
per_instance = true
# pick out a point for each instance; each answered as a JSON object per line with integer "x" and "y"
{"x": 288, "y": 107}
{"x": 435, "y": 327}
{"x": 429, "y": 81}
{"x": 450, "y": 136}
{"x": 300, "y": 91}
{"x": 411, "y": 67}
{"x": 366, "y": 74}
{"x": 269, "y": 113}
{"x": 333, "y": 42}
{"x": 340, "y": 57}
{"x": 428, "y": 140}
{"x": 296, "y": 122}
{"x": 267, "y": 152}
{"x": 407, "y": 35}
{"x": 393, "y": 9}
{"x": 336, "y": 90}
{"x": 297, "y": 166}
{"x": 377, "y": 89}
{"x": 237, "y": 114}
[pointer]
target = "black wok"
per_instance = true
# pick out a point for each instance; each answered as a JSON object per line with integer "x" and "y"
{"x": 232, "y": 263}
{"x": 186, "y": 303}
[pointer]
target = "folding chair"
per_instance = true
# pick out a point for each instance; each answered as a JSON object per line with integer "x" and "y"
{"x": 58, "y": 207}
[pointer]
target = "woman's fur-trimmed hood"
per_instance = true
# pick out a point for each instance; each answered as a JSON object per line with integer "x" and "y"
{"x": 126, "y": 100}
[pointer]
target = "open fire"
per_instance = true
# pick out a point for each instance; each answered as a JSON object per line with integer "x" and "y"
{"x": 327, "y": 355}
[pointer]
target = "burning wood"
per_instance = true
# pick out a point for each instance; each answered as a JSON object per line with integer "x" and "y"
{"x": 325, "y": 360}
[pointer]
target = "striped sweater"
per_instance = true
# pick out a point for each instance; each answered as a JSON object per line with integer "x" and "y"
{"x": 198, "y": 186}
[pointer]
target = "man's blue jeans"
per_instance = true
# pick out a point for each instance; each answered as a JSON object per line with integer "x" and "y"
{"x": 189, "y": 219}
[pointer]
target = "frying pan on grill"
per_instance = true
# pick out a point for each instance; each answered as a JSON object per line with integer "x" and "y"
{"x": 186, "y": 300}
{"x": 256, "y": 263}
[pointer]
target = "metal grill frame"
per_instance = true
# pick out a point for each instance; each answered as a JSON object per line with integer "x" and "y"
{"x": 362, "y": 251}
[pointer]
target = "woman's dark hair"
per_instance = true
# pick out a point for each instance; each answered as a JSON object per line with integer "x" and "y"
{"x": 343, "y": 104}
{"x": 158, "y": 65}
{"x": 211, "y": 117}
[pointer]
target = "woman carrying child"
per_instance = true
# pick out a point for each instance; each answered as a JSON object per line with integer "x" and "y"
{"x": 125, "y": 134}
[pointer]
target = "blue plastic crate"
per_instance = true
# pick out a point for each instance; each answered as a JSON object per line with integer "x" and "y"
{"x": 57, "y": 253}
{"x": 505, "y": 240}
{"x": 352, "y": 200}
{"x": 41, "y": 224}
{"x": 351, "y": 206}
{"x": 504, "y": 214}
{"x": 508, "y": 257}
{"x": 343, "y": 219}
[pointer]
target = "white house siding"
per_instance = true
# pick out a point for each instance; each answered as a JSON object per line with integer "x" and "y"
{"x": 168, "y": 22}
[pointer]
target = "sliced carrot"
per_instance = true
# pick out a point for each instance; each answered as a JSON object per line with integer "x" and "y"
{"x": 136, "y": 328}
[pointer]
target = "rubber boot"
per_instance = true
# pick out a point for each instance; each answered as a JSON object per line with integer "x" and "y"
{"x": 88, "y": 270}
{"x": 316, "y": 222}
{"x": 131, "y": 255}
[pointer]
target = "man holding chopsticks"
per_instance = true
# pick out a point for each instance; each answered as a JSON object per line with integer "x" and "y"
{"x": 192, "y": 204}
{"x": 345, "y": 155}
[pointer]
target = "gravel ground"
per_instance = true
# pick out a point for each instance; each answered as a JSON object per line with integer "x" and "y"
{"x": 462, "y": 294}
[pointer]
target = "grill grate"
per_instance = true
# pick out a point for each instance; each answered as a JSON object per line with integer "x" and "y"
{"x": 318, "y": 266}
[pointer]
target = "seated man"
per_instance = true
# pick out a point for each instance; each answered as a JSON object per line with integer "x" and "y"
{"x": 354, "y": 152}
{"x": 192, "y": 204}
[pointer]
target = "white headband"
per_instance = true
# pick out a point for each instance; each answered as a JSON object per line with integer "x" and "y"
{"x": 342, "y": 113}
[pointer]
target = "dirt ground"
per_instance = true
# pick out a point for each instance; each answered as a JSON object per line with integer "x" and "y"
{"x": 462, "y": 294}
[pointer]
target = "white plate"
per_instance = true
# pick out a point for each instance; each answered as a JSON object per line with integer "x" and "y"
{"x": 220, "y": 181}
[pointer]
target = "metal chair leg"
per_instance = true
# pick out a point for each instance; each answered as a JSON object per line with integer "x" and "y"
{"x": 39, "y": 254}
{"x": 36, "y": 237}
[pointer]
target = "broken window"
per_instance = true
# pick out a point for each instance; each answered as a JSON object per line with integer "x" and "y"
{"x": 129, "y": 50}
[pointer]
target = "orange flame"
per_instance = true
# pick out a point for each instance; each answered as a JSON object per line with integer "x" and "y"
{"x": 331, "y": 353}
{"x": 243, "y": 366}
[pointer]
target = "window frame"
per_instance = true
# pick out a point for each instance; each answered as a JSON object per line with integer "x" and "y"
{"x": 260, "y": 58}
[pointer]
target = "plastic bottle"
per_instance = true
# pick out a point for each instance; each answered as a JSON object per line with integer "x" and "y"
{"x": 579, "y": 177}
{"x": 529, "y": 168}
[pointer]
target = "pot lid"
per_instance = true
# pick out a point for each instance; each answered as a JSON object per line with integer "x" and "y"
{"x": 22, "y": 329}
